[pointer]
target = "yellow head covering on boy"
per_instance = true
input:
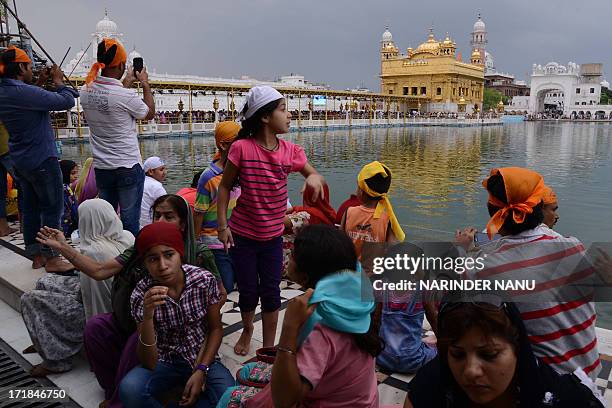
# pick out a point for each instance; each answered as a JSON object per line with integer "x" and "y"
{"x": 369, "y": 171}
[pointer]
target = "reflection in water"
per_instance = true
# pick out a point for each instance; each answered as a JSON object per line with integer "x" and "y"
{"x": 437, "y": 172}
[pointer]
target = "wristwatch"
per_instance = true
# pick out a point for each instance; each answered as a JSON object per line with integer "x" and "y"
{"x": 203, "y": 367}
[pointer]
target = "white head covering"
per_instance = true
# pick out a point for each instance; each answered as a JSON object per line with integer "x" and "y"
{"x": 152, "y": 163}
{"x": 257, "y": 97}
{"x": 102, "y": 238}
{"x": 101, "y": 232}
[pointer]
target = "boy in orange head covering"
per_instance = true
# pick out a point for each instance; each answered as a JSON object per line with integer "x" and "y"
{"x": 523, "y": 191}
{"x": 550, "y": 207}
{"x": 557, "y": 312}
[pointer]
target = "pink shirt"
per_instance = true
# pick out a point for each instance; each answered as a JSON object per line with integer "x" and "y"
{"x": 261, "y": 207}
{"x": 341, "y": 374}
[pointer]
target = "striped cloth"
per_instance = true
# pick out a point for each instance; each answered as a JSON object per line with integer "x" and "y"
{"x": 261, "y": 207}
{"x": 558, "y": 314}
{"x": 206, "y": 203}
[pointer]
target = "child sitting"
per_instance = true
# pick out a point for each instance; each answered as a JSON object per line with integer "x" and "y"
{"x": 178, "y": 310}
{"x": 373, "y": 221}
{"x": 70, "y": 218}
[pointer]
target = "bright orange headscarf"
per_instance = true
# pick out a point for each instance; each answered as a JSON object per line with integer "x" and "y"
{"x": 549, "y": 197}
{"x": 524, "y": 190}
{"x": 225, "y": 132}
{"x": 20, "y": 56}
{"x": 104, "y": 54}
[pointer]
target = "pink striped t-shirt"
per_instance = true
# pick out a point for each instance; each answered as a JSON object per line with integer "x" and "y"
{"x": 261, "y": 207}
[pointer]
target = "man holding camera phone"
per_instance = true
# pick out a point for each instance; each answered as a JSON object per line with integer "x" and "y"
{"x": 111, "y": 109}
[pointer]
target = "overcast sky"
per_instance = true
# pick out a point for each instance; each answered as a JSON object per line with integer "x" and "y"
{"x": 332, "y": 41}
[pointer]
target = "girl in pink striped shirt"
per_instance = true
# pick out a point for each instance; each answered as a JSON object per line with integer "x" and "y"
{"x": 261, "y": 163}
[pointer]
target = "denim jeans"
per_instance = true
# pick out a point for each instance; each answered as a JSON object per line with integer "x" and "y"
{"x": 123, "y": 187}
{"x": 43, "y": 203}
{"x": 140, "y": 386}
{"x": 226, "y": 268}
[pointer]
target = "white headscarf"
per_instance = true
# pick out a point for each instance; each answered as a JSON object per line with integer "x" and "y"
{"x": 257, "y": 97}
{"x": 101, "y": 232}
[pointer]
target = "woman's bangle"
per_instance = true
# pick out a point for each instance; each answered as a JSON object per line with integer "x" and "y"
{"x": 285, "y": 350}
{"x": 145, "y": 344}
{"x": 222, "y": 229}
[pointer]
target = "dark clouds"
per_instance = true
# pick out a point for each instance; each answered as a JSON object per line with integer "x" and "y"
{"x": 331, "y": 41}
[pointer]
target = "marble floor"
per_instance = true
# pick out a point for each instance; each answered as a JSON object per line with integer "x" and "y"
{"x": 17, "y": 276}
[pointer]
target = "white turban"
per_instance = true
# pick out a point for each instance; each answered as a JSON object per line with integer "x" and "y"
{"x": 257, "y": 97}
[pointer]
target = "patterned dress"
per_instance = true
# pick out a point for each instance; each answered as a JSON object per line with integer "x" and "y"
{"x": 54, "y": 315}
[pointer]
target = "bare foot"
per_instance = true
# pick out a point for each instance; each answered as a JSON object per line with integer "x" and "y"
{"x": 38, "y": 261}
{"x": 243, "y": 344}
{"x": 56, "y": 264}
{"x": 5, "y": 229}
{"x": 38, "y": 371}
{"x": 103, "y": 404}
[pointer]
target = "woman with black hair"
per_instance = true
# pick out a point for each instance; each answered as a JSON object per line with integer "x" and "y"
{"x": 558, "y": 314}
{"x": 485, "y": 359}
{"x": 329, "y": 341}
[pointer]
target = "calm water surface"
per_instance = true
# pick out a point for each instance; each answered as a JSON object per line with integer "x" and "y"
{"x": 437, "y": 172}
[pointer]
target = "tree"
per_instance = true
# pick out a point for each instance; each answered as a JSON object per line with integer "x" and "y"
{"x": 606, "y": 96}
{"x": 491, "y": 98}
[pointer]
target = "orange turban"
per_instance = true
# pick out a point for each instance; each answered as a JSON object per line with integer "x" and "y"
{"x": 225, "y": 132}
{"x": 13, "y": 54}
{"x": 524, "y": 190}
{"x": 110, "y": 54}
{"x": 549, "y": 196}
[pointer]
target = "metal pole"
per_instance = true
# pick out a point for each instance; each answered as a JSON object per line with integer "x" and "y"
{"x": 79, "y": 118}
{"x": 190, "y": 110}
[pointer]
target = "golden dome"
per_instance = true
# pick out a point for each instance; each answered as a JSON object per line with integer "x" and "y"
{"x": 431, "y": 45}
{"x": 462, "y": 101}
{"x": 500, "y": 104}
{"x": 476, "y": 54}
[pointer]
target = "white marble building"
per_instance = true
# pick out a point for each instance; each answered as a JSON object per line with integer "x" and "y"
{"x": 573, "y": 89}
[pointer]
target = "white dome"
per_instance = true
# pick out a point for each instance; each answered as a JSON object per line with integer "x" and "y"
{"x": 106, "y": 26}
{"x": 387, "y": 36}
{"x": 479, "y": 25}
{"x": 133, "y": 54}
{"x": 605, "y": 84}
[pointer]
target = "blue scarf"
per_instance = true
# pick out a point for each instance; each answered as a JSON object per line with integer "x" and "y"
{"x": 344, "y": 301}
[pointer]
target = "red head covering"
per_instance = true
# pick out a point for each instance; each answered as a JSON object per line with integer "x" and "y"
{"x": 110, "y": 54}
{"x": 160, "y": 233}
{"x": 320, "y": 211}
{"x": 524, "y": 190}
{"x": 13, "y": 54}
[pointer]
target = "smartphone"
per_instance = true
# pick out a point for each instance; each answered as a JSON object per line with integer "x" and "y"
{"x": 138, "y": 64}
{"x": 483, "y": 238}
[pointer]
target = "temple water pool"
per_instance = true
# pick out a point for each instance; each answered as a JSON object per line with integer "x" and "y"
{"x": 437, "y": 172}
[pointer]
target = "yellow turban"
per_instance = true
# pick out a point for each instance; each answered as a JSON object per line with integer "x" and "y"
{"x": 225, "y": 132}
{"x": 369, "y": 171}
{"x": 549, "y": 196}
